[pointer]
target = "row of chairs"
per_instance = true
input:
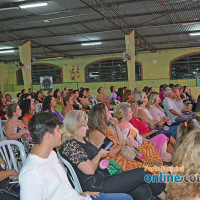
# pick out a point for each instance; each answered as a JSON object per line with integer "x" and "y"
{"x": 7, "y": 153}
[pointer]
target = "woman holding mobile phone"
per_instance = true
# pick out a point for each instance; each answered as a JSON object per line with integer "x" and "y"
{"x": 85, "y": 157}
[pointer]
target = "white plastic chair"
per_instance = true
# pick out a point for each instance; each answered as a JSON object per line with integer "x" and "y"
{"x": 6, "y": 152}
{"x": 38, "y": 107}
{"x": 2, "y": 132}
{"x": 14, "y": 100}
{"x": 94, "y": 102}
{"x": 93, "y": 96}
{"x": 116, "y": 102}
{"x": 72, "y": 174}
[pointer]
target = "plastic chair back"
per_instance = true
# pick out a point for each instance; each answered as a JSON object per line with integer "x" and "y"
{"x": 7, "y": 153}
{"x": 2, "y": 132}
{"x": 72, "y": 175}
{"x": 38, "y": 107}
{"x": 14, "y": 100}
{"x": 116, "y": 102}
{"x": 94, "y": 102}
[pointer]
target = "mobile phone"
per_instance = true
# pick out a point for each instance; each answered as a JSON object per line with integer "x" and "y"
{"x": 109, "y": 145}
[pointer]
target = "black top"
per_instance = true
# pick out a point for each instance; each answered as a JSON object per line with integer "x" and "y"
{"x": 76, "y": 152}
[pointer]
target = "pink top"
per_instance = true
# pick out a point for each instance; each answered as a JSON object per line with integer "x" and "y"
{"x": 162, "y": 95}
{"x": 157, "y": 113}
{"x": 119, "y": 98}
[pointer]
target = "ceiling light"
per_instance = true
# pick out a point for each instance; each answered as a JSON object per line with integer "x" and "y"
{"x": 33, "y": 5}
{"x": 91, "y": 43}
{"x": 191, "y": 23}
{"x": 7, "y": 51}
{"x": 194, "y": 34}
{"x": 2, "y": 48}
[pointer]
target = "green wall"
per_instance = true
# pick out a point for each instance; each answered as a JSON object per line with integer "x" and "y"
{"x": 159, "y": 71}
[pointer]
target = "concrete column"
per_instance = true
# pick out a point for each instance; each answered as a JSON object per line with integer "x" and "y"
{"x": 25, "y": 58}
{"x": 130, "y": 49}
{"x": 3, "y": 77}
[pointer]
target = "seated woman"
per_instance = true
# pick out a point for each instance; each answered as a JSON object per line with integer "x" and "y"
{"x": 188, "y": 94}
{"x": 49, "y": 105}
{"x": 146, "y": 116}
{"x": 120, "y": 93}
{"x": 101, "y": 97}
{"x": 76, "y": 104}
{"x": 83, "y": 99}
{"x": 28, "y": 107}
{"x": 125, "y": 115}
{"x": 57, "y": 96}
{"x": 39, "y": 97}
{"x": 8, "y": 99}
{"x": 85, "y": 158}
{"x": 187, "y": 157}
{"x": 3, "y": 107}
{"x": 6, "y": 175}
{"x": 127, "y": 96}
{"x": 68, "y": 105}
{"x": 99, "y": 130}
{"x": 158, "y": 113}
{"x": 15, "y": 128}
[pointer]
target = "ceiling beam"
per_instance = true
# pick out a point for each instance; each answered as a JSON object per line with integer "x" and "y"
{"x": 101, "y": 19}
{"x": 103, "y": 31}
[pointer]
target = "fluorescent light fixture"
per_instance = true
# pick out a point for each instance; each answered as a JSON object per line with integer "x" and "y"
{"x": 7, "y": 51}
{"x": 2, "y": 48}
{"x": 33, "y": 5}
{"x": 190, "y": 23}
{"x": 91, "y": 43}
{"x": 194, "y": 34}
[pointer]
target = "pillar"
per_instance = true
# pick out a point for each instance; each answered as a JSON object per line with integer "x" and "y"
{"x": 3, "y": 77}
{"x": 130, "y": 49}
{"x": 25, "y": 58}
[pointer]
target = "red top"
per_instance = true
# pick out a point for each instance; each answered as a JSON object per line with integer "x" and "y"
{"x": 29, "y": 116}
{"x": 140, "y": 125}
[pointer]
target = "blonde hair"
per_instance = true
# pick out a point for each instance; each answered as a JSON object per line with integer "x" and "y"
{"x": 121, "y": 110}
{"x": 186, "y": 156}
{"x": 73, "y": 120}
{"x": 152, "y": 98}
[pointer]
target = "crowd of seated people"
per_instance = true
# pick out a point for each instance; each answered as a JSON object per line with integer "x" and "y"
{"x": 144, "y": 121}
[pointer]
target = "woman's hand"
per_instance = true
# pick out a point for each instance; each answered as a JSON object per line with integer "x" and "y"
{"x": 103, "y": 153}
{"x": 114, "y": 121}
{"x": 152, "y": 143}
{"x": 93, "y": 194}
{"x": 13, "y": 174}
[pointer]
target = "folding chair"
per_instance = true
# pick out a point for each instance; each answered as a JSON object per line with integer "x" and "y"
{"x": 7, "y": 153}
{"x": 71, "y": 173}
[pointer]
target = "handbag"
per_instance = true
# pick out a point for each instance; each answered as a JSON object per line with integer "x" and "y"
{"x": 114, "y": 167}
{"x": 153, "y": 134}
{"x": 11, "y": 188}
{"x": 128, "y": 153}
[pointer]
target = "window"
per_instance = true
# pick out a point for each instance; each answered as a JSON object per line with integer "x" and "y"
{"x": 186, "y": 67}
{"x": 114, "y": 69}
{"x": 42, "y": 69}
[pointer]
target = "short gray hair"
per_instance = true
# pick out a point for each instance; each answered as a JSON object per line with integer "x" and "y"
{"x": 167, "y": 91}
